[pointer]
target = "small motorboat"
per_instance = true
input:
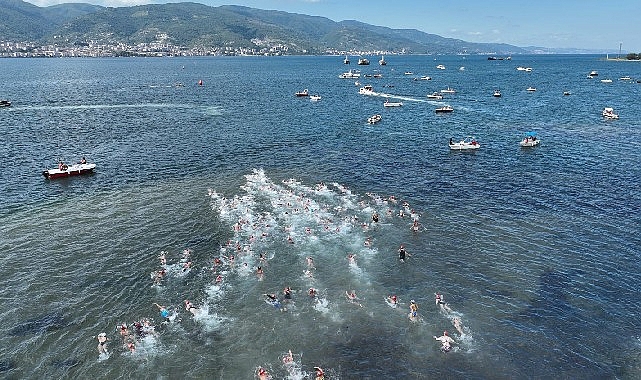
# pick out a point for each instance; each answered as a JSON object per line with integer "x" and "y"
{"x": 497, "y": 94}
{"x": 5, "y": 103}
{"x": 593, "y": 74}
{"x": 351, "y": 74}
{"x": 425, "y": 77}
{"x": 444, "y": 109}
{"x": 448, "y": 91}
{"x": 566, "y": 93}
{"x": 363, "y": 61}
{"x": 374, "y": 119}
{"x": 468, "y": 143}
{"x": 63, "y": 170}
{"x": 366, "y": 90}
{"x": 531, "y": 89}
{"x": 440, "y": 67}
{"x": 529, "y": 140}
{"x": 305, "y": 92}
{"x": 346, "y": 60}
{"x": 409, "y": 73}
{"x": 382, "y": 61}
{"x": 435, "y": 95}
{"x": 606, "y": 80}
{"x": 392, "y": 104}
{"x": 608, "y": 113}
{"x": 314, "y": 98}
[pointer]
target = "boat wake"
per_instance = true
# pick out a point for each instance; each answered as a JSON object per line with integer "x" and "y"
{"x": 393, "y": 96}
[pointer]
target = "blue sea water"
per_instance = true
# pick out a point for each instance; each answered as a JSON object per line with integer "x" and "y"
{"x": 535, "y": 250}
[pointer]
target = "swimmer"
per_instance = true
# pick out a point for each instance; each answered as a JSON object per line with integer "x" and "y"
{"x": 259, "y": 272}
{"x": 446, "y": 342}
{"x": 402, "y": 253}
{"x": 163, "y": 311}
{"x": 416, "y": 226}
{"x": 288, "y": 293}
{"x": 163, "y": 258}
{"x": 132, "y": 347}
{"x": 375, "y": 217}
{"x": 123, "y": 330}
{"x": 413, "y": 315}
{"x": 219, "y": 279}
{"x": 320, "y": 374}
{"x": 456, "y": 321}
{"x": 310, "y": 262}
{"x": 102, "y": 343}
{"x": 351, "y": 258}
{"x": 312, "y": 292}
{"x": 352, "y": 297}
{"x": 368, "y": 242}
{"x": 288, "y": 358}
{"x": 190, "y": 307}
{"x": 262, "y": 374}
{"x": 438, "y": 298}
{"x": 393, "y": 300}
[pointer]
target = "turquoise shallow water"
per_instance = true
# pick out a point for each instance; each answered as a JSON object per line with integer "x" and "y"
{"x": 536, "y": 250}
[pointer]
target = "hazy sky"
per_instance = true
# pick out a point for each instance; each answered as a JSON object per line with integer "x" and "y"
{"x": 588, "y": 24}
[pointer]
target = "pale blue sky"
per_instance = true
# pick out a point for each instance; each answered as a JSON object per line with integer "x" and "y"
{"x": 587, "y": 24}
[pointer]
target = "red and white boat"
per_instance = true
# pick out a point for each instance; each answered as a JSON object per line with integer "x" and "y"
{"x": 63, "y": 170}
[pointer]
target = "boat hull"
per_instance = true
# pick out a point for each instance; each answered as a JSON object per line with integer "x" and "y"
{"x": 459, "y": 146}
{"x": 530, "y": 143}
{"x": 71, "y": 171}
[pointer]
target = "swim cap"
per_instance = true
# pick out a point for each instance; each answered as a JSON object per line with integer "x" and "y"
{"x": 412, "y": 301}
{"x": 444, "y": 332}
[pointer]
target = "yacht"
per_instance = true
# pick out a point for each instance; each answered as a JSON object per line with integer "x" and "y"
{"x": 382, "y": 61}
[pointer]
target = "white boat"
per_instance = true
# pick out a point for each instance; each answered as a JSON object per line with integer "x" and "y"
{"x": 625, "y": 78}
{"x": 566, "y": 93}
{"x": 303, "y": 93}
{"x": 529, "y": 140}
{"x": 346, "y": 60}
{"x": 351, "y": 74}
{"x": 425, "y": 77}
{"x": 526, "y": 69}
{"x": 363, "y": 61}
{"x": 314, "y": 98}
{"x": 593, "y": 74}
{"x": 608, "y": 113}
{"x": 409, "y": 73}
{"x": 468, "y": 143}
{"x": 435, "y": 95}
{"x": 382, "y": 61}
{"x": 378, "y": 75}
{"x": 531, "y": 89}
{"x": 497, "y": 94}
{"x": 366, "y": 90}
{"x": 392, "y": 104}
{"x": 448, "y": 91}
{"x": 63, "y": 170}
{"x": 440, "y": 67}
{"x": 374, "y": 119}
{"x": 444, "y": 109}
{"x": 606, "y": 80}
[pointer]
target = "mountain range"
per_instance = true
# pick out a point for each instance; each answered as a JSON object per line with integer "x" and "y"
{"x": 195, "y": 25}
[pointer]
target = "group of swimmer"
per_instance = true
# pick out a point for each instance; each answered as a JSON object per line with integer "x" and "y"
{"x": 245, "y": 254}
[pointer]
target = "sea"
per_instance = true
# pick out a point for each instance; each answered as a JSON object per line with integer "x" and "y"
{"x": 535, "y": 251}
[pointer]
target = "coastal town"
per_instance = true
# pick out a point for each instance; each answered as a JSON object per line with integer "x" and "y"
{"x": 159, "y": 48}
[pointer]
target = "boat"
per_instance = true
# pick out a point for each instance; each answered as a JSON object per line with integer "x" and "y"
{"x": 468, "y": 143}
{"x": 566, "y": 93}
{"x": 305, "y": 92}
{"x": 444, "y": 109}
{"x": 314, "y": 98}
{"x": 346, "y": 60}
{"x": 497, "y": 94}
{"x": 378, "y": 75}
{"x": 63, "y": 170}
{"x": 374, "y": 119}
{"x": 363, "y": 61}
{"x": 440, "y": 67}
{"x": 409, "y": 73}
{"x": 448, "y": 91}
{"x": 5, "y": 103}
{"x": 435, "y": 95}
{"x": 351, "y": 74}
{"x": 625, "y": 78}
{"x": 392, "y": 104}
{"x": 606, "y": 80}
{"x": 366, "y": 90}
{"x": 382, "y": 61}
{"x": 526, "y": 69}
{"x": 593, "y": 74}
{"x": 494, "y": 59}
{"x": 530, "y": 139}
{"x": 531, "y": 89}
{"x": 608, "y": 113}
{"x": 425, "y": 77}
